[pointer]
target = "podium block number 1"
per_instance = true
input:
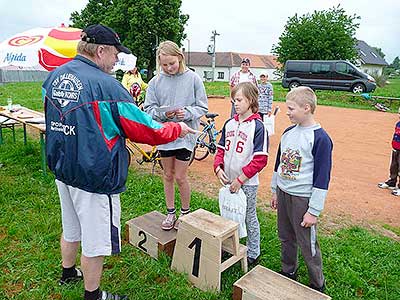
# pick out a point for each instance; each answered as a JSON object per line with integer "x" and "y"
{"x": 196, "y": 244}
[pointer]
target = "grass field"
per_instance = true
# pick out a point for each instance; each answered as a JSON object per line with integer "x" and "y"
{"x": 358, "y": 263}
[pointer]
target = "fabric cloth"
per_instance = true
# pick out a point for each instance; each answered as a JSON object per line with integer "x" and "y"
{"x": 265, "y": 97}
{"x": 303, "y": 165}
{"x": 239, "y": 77}
{"x": 243, "y": 147}
{"x": 292, "y": 235}
{"x": 396, "y": 137}
{"x": 252, "y": 224}
{"x": 184, "y": 90}
{"x": 93, "y": 219}
{"x": 88, "y": 116}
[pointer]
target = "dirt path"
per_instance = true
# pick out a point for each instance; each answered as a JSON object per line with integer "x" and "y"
{"x": 360, "y": 160}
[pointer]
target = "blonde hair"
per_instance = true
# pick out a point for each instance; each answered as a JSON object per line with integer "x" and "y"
{"x": 250, "y": 91}
{"x": 303, "y": 95}
{"x": 172, "y": 49}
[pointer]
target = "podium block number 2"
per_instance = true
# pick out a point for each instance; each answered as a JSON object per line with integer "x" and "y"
{"x": 196, "y": 244}
{"x": 142, "y": 241}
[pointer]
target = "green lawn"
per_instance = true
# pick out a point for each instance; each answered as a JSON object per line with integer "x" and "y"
{"x": 358, "y": 263}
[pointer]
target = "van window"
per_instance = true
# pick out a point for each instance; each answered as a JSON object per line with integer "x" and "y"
{"x": 298, "y": 67}
{"x": 344, "y": 68}
{"x": 320, "y": 67}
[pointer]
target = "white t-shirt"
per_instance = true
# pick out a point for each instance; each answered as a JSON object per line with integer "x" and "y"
{"x": 244, "y": 77}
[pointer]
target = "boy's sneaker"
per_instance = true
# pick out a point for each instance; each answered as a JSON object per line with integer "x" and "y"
{"x": 319, "y": 289}
{"x": 396, "y": 192}
{"x": 169, "y": 222}
{"x": 103, "y": 295}
{"x": 252, "y": 262}
{"x": 72, "y": 279}
{"x": 384, "y": 185}
{"x": 292, "y": 276}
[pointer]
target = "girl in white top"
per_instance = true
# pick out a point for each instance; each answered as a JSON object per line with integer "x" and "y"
{"x": 176, "y": 94}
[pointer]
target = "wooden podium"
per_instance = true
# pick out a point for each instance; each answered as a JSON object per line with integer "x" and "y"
{"x": 263, "y": 284}
{"x": 145, "y": 233}
{"x": 201, "y": 238}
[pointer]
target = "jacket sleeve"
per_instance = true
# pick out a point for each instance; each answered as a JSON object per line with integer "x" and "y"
{"x": 275, "y": 174}
{"x": 219, "y": 157}
{"x": 322, "y": 152}
{"x": 200, "y": 107}
{"x": 151, "y": 103}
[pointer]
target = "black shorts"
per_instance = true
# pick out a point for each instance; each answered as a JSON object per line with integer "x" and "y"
{"x": 182, "y": 154}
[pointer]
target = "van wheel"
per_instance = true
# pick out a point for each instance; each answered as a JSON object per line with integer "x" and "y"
{"x": 293, "y": 85}
{"x": 358, "y": 88}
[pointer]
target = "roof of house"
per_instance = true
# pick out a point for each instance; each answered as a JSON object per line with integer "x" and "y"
{"x": 230, "y": 59}
{"x": 368, "y": 55}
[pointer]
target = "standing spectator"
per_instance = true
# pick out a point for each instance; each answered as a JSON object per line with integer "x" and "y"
{"x": 86, "y": 127}
{"x": 265, "y": 96}
{"x": 181, "y": 93}
{"x": 134, "y": 83}
{"x": 243, "y": 75}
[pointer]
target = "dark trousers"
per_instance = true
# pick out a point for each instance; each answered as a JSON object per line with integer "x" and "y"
{"x": 292, "y": 235}
{"x": 394, "y": 168}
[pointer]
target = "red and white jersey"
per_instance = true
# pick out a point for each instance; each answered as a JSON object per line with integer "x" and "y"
{"x": 243, "y": 148}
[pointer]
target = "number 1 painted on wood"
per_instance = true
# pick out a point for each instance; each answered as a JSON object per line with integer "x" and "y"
{"x": 196, "y": 259}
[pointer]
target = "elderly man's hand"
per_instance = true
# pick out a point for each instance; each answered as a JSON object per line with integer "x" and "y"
{"x": 185, "y": 129}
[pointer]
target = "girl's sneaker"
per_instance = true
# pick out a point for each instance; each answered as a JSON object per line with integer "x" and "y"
{"x": 169, "y": 222}
{"x": 384, "y": 185}
{"x": 396, "y": 192}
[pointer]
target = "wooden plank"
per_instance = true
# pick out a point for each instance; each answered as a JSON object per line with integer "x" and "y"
{"x": 266, "y": 284}
{"x": 144, "y": 241}
{"x": 209, "y": 222}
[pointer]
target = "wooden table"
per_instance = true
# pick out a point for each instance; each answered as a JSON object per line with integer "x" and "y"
{"x": 31, "y": 118}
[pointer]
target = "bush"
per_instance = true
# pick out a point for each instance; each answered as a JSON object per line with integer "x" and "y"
{"x": 380, "y": 80}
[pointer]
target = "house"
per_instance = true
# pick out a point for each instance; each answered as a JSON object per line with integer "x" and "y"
{"x": 227, "y": 63}
{"x": 369, "y": 60}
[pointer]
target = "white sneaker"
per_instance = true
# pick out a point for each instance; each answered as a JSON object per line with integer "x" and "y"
{"x": 396, "y": 192}
{"x": 384, "y": 185}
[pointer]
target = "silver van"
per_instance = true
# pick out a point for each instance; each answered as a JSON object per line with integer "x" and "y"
{"x": 337, "y": 75}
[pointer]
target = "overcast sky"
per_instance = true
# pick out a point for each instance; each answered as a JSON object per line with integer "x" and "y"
{"x": 251, "y": 26}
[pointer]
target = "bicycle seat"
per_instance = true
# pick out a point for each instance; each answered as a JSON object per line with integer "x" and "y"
{"x": 211, "y": 115}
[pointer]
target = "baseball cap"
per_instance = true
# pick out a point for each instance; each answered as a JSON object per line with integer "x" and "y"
{"x": 246, "y": 60}
{"x": 103, "y": 35}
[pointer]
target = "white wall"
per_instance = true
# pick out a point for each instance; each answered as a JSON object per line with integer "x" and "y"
{"x": 200, "y": 72}
{"x": 372, "y": 69}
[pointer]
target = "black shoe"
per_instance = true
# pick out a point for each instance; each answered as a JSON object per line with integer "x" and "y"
{"x": 103, "y": 295}
{"x": 72, "y": 279}
{"x": 252, "y": 261}
{"x": 319, "y": 289}
{"x": 292, "y": 276}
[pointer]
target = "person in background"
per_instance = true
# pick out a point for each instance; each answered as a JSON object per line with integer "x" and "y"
{"x": 175, "y": 94}
{"x": 265, "y": 96}
{"x": 134, "y": 83}
{"x": 394, "y": 171}
{"x": 86, "y": 130}
{"x": 300, "y": 184}
{"x": 243, "y": 75}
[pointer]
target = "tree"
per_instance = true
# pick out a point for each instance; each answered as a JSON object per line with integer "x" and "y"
{"x": 396, "y": 63}
{"x": 322, "y": 35}
{"x": 141, "y": 24}
{"x": 379, "y": 51}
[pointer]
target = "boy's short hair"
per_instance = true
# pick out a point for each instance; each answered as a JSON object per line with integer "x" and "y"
{"x": 263, "y": 75}
{"x": 303, "y": 95}
{"x": 250, "y": 91}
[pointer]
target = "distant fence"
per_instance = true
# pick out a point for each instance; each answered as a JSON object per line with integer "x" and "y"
{"x": 7, "y": 76}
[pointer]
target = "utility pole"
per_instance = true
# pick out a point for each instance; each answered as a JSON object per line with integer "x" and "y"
{"x": 214, "y": 34}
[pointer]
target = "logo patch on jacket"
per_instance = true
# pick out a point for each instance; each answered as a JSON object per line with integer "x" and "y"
{"x": 66, "y": 89}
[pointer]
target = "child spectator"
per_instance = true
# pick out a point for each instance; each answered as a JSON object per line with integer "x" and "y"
{"x": 265, "y": 97}
{"x": 300, "y": 185}
{"x": 242, "y": 154}
{"x": 183, "y": 91}
{"x": 394, "y": 164}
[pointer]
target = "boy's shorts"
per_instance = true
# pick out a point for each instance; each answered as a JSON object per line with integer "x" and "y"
{"x": 182, "y": 154}
{"x": 93, "y": 219}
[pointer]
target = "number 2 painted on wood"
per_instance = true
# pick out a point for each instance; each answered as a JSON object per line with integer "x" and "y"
{"x": 140, "y": 244}
{"x": 196, "y": 259}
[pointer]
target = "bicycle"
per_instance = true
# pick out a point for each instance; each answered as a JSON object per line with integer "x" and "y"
{"x": 206, "y": 142}
{"x": 152, "y": 156}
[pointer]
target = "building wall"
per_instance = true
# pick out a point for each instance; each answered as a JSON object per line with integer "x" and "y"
{"x": 372, "y": 69}
{"x": 227, "y": 72}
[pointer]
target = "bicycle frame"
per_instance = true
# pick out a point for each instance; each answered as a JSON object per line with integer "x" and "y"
{"x": 208, "y": 130}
